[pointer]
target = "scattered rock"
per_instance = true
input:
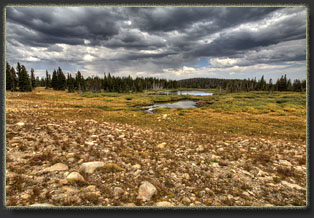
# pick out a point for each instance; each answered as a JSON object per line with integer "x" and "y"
{"x": 164, "y": 204}
{"x": 90, "y": 143}
{"x": 90, "y": 167}
{"x": 220, "y": 149}
{"x": 285, "y": 163}
{"x": 56, "y": 167}
{"x": 161, "y": 145}
{"x": 117, "y": 192}
{"x": 42, "y": 205}
{"x": 186, "y": 200}
{"x": 69, "y": 189}
{"x": 75, "y": 177}
{"x": 223, "y": 163}
{"x": 91, "y": 188}
{"x": 94, "y": 136}
{"x": 146, "y": 191}
{"x": 20, "y": 123}
{"x": 136, "y": 166}
{"x": 293, "y": 186}
{"x": 186, "y": 176}
{"x": 25, "y": 196}
{"x": 129, "y": 205}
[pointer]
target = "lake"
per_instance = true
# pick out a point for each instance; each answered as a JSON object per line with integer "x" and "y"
{"x": 178, "y": 104}
{"x": 195, "y": 93}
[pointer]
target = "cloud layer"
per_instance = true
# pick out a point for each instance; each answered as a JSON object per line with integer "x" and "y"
{"x": 169, "y": 42}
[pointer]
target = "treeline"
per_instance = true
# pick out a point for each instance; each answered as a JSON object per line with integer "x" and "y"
{"x": 18, "y": 79}
{"x": 59, "y": 81}
{"x": 237, "y": 85}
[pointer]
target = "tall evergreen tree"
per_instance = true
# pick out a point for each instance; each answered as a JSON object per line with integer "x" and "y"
{"x": 54, "y": 80}
{"x": 33, "y": 80}
{"x": 18, "y": 71}
{"x": 13, "y": 79}
{"x": 24, "y": 81}
{"x": 61, "y": 79}
{"x": 9, "y": 82}
{"x": 79, "y": 82}
{"x": 70, "y": 83}
{"x": 47, "y": 85}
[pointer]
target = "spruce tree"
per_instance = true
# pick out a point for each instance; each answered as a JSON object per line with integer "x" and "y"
{"x": 70, "y": 83}
{"x": 13, "y": 79}
{"x": 37, "y": 81}
{"x": 18, "y": 71}
{"x": 47, "y": 80}
{"x": 8, "y": 77}
{"x": 79, "y": 86}
{"x": 61, "y": 80}
{"x": 24, "y": 81}
{"x": 54, "y": 80}
{"x": 33, "y": 80}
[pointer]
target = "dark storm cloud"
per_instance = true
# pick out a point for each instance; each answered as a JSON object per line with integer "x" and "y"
{"x": 182, "y": 18}
{"x": 59, "y": 25}
{"x": 233, "y": 44}
{"x": 163, "y": 36}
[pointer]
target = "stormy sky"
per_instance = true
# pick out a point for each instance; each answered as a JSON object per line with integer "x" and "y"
{"x": 165, "y": 42}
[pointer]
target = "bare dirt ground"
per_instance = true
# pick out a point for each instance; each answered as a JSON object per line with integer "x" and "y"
{"x": 182, "y": 169}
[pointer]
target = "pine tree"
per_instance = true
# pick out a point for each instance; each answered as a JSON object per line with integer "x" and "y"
{"x": 54, "y": 80}
{"x": 79, "y": 82}
{"x": 37, "y": 81}
{"x": 33, "y": 80}
{"x": 24, "y": 81}
{"x": 18, "y": 71}
{"x": 270, "y": 86}
{"x": 61, "y": 80}
{"x": 8, "y": 77}
{"x": 47, "y": 80}
{"x": 13, "y": 79}
{"x": 70, "y": 83}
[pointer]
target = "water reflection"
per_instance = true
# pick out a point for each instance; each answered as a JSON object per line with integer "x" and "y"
{"x": 178, "y": 104}
{"x": 195, "y": 93}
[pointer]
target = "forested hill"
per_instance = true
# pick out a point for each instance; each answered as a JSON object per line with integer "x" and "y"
{"x": 236, "y": 85}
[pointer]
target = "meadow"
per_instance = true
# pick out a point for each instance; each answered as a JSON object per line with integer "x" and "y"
{"x": 257, "y": 113}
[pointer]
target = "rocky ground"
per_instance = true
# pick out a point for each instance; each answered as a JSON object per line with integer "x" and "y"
{"x": 87, "y": 163}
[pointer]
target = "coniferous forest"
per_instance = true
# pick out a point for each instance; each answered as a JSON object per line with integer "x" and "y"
{"x": 19, "y": 79}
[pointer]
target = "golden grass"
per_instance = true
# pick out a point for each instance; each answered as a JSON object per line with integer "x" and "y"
{"x": 280, "y": 115}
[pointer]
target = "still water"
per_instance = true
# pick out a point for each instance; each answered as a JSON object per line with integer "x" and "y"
{"x": 195, "y": 93}
{"x": 178, "y": 104}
